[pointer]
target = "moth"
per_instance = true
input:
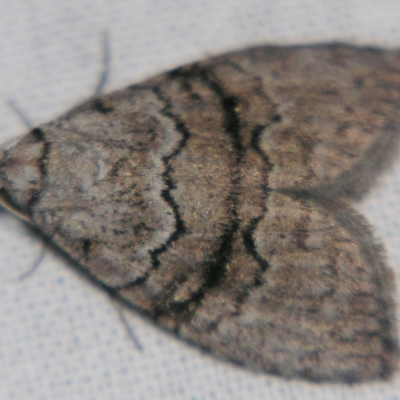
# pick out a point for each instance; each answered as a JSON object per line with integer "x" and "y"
{"x": 215, "y": 199}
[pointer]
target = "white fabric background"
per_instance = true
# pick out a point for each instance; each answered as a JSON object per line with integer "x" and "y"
{"x": 60, "y": 337}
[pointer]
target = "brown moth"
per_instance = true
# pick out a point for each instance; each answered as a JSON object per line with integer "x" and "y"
{"x": 214, "y": 199}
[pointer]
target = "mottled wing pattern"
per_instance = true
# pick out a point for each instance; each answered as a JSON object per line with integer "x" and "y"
{"x": 213, "y": 198}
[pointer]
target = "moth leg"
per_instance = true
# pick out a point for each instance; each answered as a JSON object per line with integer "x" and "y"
{"x": 34, "y": 266}
{"x": 105, "y": 64}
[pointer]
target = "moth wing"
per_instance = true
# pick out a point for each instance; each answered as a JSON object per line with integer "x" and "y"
{"x": 319, "y": 305}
